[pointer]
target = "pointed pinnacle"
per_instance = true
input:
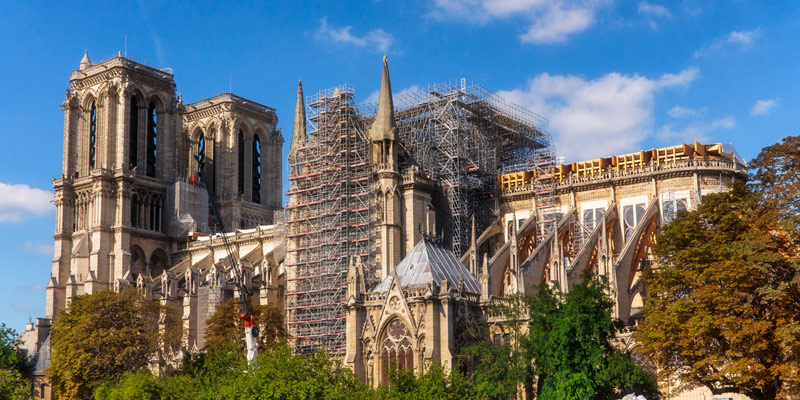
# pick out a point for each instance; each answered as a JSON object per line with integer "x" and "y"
{"x": 474, "y": 238}
{"x": 384, "y": 127}
{"x": 299, "y": 130}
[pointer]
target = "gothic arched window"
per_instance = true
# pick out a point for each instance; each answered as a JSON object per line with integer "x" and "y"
{"x": 133, "y": 133}
{"x": 92, "y": 134}
{"x": 152, "y": 139}
{"x": 396, "y": 351}
{"x": 256, "y": 169}
{"x": 241, "y": 163}
{"x": 200, "y": 156}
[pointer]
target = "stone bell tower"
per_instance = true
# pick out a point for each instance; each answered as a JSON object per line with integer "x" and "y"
{"x": 120, "y": 124}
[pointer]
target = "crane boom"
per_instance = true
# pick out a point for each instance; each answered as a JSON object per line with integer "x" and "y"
{"x": 238, "y": 274}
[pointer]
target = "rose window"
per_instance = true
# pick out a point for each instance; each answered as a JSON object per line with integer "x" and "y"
{"x": 396, "y": 352}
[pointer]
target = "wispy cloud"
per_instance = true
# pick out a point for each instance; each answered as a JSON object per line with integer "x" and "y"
{"x": 592, "y": 118}
{"x": 377, "y": 39}
{"x": 33, "y": 288}
{"x": 696, "y": 130}
{"x": 547, "y": 21}
{"x": 20, "y": 202}
{"x": 37, "y": 248}
{"x": 679, "y": 112}
{"x": 762, "y": 107}
{"x": 21, "y": 307}
{"x": 736, "y": 40}
{"x": 655, "y": 10}
{"x": 652, "y": 12}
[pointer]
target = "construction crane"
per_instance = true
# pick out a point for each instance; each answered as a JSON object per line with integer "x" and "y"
{"x": 245, "y": 313}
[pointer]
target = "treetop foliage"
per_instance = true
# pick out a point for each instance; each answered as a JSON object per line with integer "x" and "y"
{"x": 226, "y": 325}
{"x": 13, "y": 364}
{"x": 569, "y": 347}
{"x": 723, "y": 307}
{"x": 775, "y": 174}
{"x": 11, "y": 358}
{"x": 106, "y": 334}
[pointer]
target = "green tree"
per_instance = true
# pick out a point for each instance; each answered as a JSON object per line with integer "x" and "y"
{"x": 278, "y": 374}
{"x": 569, "y": 345}
{"x": 434, "y": 384}
{"x": 105, "y": 334}
{"x": 13, "y": 365}
{"x": 11, "y": 358}
{"x": 13, "y": 386}
{"x": 496, "y": 369}
{"x": 775, "y": 174}
{"x": 226, "y": 326}
{"x": 724, "y": 307}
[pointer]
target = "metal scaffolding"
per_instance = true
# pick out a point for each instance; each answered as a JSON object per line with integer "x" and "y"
{"x": 330, "y": 217}
{"x": 461, "y": 137}
{"x": 464, "y": 136}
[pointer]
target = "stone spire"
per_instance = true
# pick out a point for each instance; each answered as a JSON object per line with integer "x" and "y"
{"x": 85, "y": 62}
{"x": 299, "y": 131}
{"x": 384, "y": 128}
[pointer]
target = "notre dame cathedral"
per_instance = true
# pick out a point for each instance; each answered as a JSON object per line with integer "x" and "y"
{"x": 406, "y": 220}
{"x": 139, "y": 167}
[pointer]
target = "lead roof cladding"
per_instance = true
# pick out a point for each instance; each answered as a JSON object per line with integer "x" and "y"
{"x": 429, "y": 261}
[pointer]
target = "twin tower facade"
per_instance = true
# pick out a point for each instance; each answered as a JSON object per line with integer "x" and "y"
{"x": 139, "y": 166}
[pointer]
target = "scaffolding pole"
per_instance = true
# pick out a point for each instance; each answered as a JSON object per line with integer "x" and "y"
{"x": 330, "y": 217}
{"x": 464, "y": 136}
{"x": 461, "y": 137}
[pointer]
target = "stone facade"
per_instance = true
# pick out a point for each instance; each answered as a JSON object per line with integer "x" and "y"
{"x": 132, "y": 204}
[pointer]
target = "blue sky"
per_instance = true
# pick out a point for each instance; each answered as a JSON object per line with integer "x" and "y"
{"x": 611, "y": 76}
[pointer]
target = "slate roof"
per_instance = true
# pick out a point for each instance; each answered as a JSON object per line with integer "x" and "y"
{"x": 429, "y": 261}
{"x": 41, "y": 360}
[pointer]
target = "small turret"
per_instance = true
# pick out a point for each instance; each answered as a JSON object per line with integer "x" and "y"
{"x": 85, "y": 62}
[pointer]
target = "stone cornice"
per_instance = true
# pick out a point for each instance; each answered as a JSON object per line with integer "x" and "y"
{"x": 228, "y": 102}
{"x": 120, "y": 67}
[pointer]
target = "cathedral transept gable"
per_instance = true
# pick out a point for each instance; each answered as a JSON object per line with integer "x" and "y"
{"x": 395, "y": 306}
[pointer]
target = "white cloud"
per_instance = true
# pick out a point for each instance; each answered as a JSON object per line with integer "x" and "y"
{"x": 697, "y": 130}
{"x": 736, "y": 40}
{"x": 24, "y": 308}
{"x": 652, "y": 12}
{"x": 38, "y": 248}
{"x": 547, "y": 21}
{"x": 33, "y": 288}
{"x": 762, "y": 107}
{"x": 21, "y": 307}
{"x": 594, "y": 118}
{"x": 728, "y": 122}
{"x": 376, "y": 39}
{"x": 744, "y": 39}
{"x": 679, "y": 112}
{"x": 655, "y": 10}
{"x": 557, "y": 24}
{"x": 20, "y": 202}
